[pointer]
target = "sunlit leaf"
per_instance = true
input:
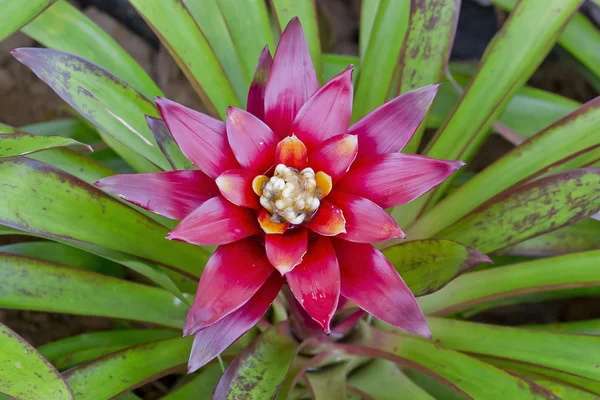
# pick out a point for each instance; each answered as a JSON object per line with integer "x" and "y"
{"x": 25, "y": 374}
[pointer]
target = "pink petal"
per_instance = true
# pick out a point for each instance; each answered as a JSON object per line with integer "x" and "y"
{"x": 390, "y": 127}
{"x": 366, "y": 222}
{"x": 328, "y": 221}
{"x": 291, "y": 152}
{"x": 292, "y": 80}
{"x": 171, "y": 194}
{"x": 236, "y": 186}
{"x": 201, "y": 138}
{"x": 316, "y": 282}
{"x": 335, "y": 155}
{"x": 256, "y": 94}
{"x": 252, "y": 142}
{"x": 286, "y": 250}
{"x": 370, "y": 281}
{"x": 327, "y": 113}
{"x": 215, "y": 222}
{"x": 395, "y": 178}
{"x": 233, "y": 274}
{"x": 213, "y": 340}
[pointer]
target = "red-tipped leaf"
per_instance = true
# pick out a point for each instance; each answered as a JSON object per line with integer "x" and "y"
{"x": 231, "y": 277}
{"x": 395, "y": 178}
{"x": 316, "y": 282}
{"x": 173, "y": 194}
{"x": 335, "y": 155}
{"x": 236, "y": 186}
{"x": 292, "y": 80}
{"x": 201, "y": 138}
{"x": 327, "y": 113}
{"x": 366, "y": 222}
{"x": 252, "y": 142}
{"x": 215, "y": 222}
{"x": 256, "y": 94}
{"x": 213, "y": 340}
{"x": 372, "y": 283}
{"x": 390, "y": 127}
{"x": 286, "y": 250}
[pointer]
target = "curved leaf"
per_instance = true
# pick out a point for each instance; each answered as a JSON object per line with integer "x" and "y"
{"x": 29, "y": 284}
{"x": 582, "y": 236}
{"x": 586, "y": 327}
{"x": 130, "y": 368}
{"x": 527, "y": 36}
{"x": 20, "y": 144}
{"x": 328, "y": 383}
{"x": 513, "y": 280}
{"x": 258, "y": 371}
{"x": 528, "y": 210}
{"x": 25, "y": 374}
{"x": 62, "y": 254}
{"x": 368, "y": 13}
{"x": 560, "y": 142}
{"x": 467, "y": 375}
{"x": 44, "y": 201}
{"x": 179, "y": 33}
{"x": 106, "y": 101}
{"x": 573, "y": 354}
{"x": 428, "y": 265}
{"x": 14, "y": 15}
{"x": 73, "y": 163}
{"x": 71, "y": 128}
{"x": 306, "y": 11}
{"x": 334, "y": 64}
{"x": 68, "y": 352}
{"x": 63, "y": 27}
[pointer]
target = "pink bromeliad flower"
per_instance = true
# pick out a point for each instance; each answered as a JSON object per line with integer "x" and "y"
{"x": 291, "y": 194}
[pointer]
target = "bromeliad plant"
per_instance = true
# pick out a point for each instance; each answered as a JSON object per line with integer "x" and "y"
{"x": 294, "y": 192}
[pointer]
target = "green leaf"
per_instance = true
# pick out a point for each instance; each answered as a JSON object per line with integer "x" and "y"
{"x": 71, "y": 128}
{"x": 250, "y": 29}
{"x": 383, "y": 380}
{"x": 42, "y": 200}
{"x": 209, "y": 18}
{"x": 62, "y": 254}
{"x": 527, "y": 113}
{"x": 582, "y": 236}
{"x": 368, "y": 13}
{"x": 258, "y": 371}
{"x": 380, "y": 59}
{"x": 25, "y": 374}
{"x": 74, "y": 350}
{"x": 574, "y": 354}
{"x": 562, "y": 390}
{"x": 587, "y": 327}
{"x": 109, "y": 103}
{"x": 73, "y": 163}
{"x": 179, "y": 33}
{"x": 306, "y": 11}
{"x": 63, "y": 27}
{"x": 428, "y": 265}
{"x": 130, "y": 368}
{"x": 527, "y": 369}
{"x": 333, "y": 64}
{"x": 527, "y": 211}
{"x": 14, "y": 15}
{"x": 513, "y": 280}
{"x": 426, "y": 49}
{"x": 580, "y": 37}
{"x": 469, "y": 376}
{"x": 133, "y": 159}
{"x": 573, "y": 135}
{"x": 200, "y": 387}
{"x": 328, "y": 383}
{"x": 20, "y": 144}
{"x": 527, "y": 36}
{"x": 30, "y": 284}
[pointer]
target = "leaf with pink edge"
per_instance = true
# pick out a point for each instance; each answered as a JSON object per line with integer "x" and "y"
{"x": 428, "y": 265}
